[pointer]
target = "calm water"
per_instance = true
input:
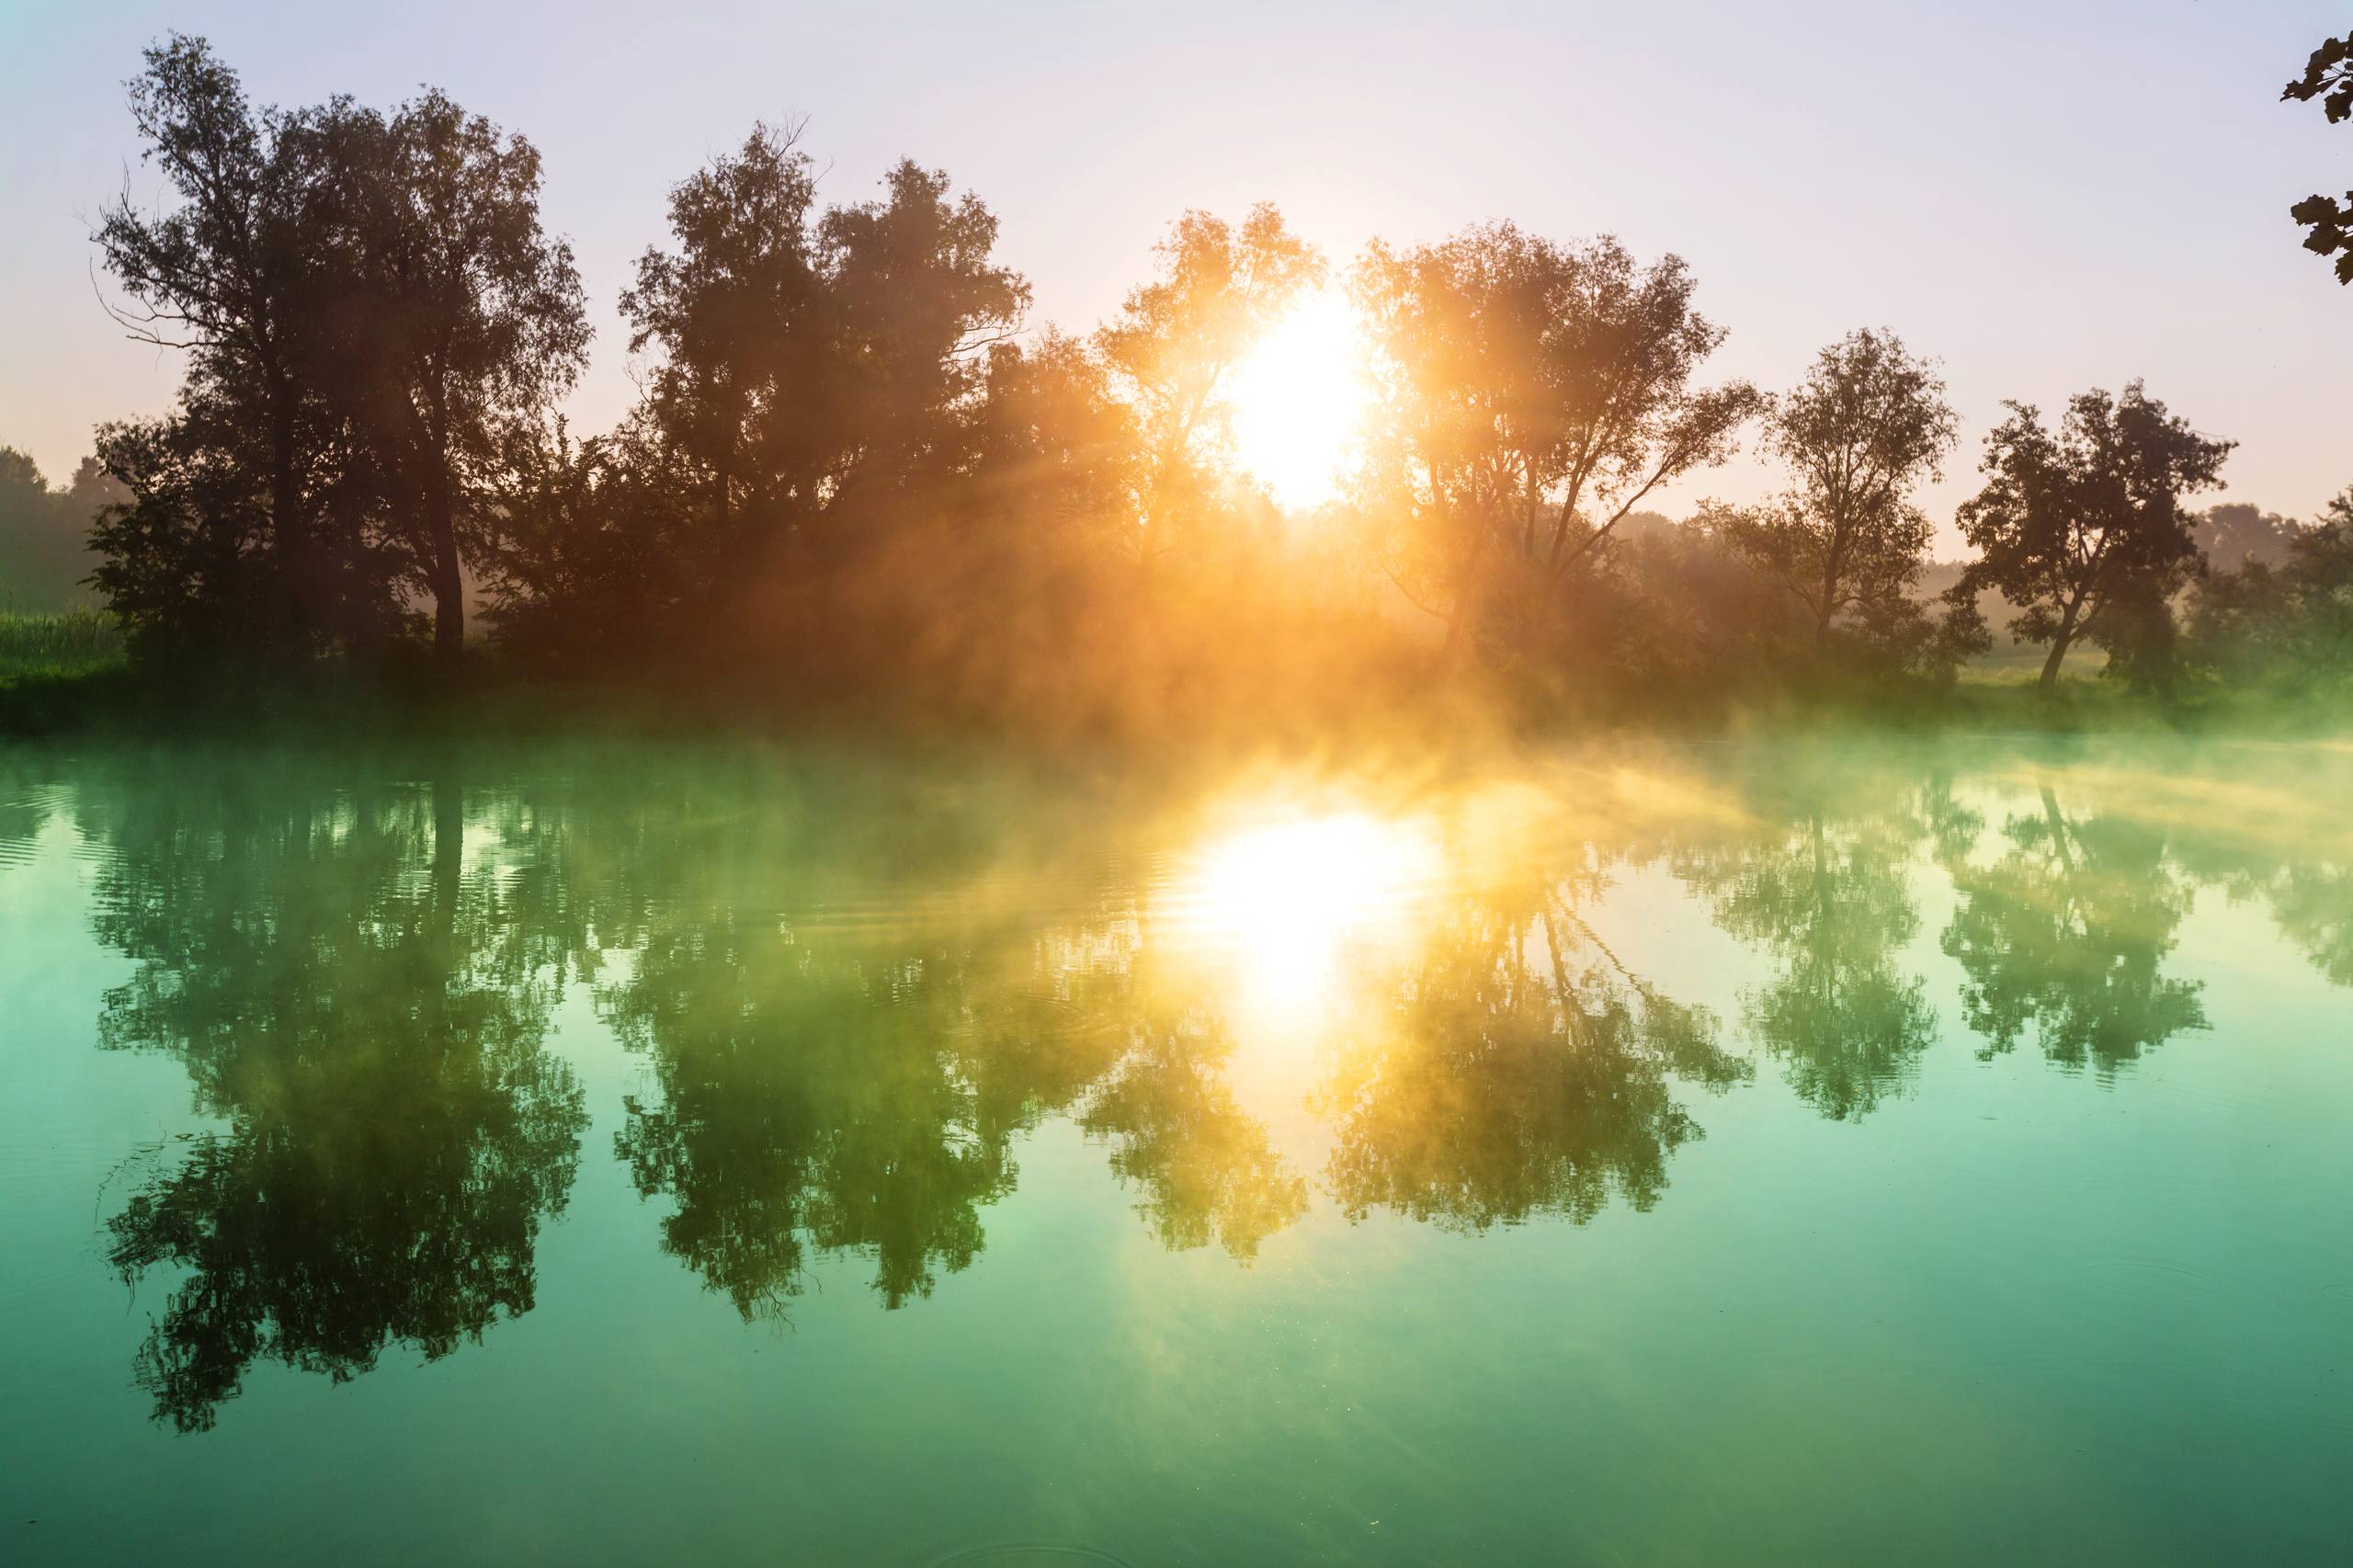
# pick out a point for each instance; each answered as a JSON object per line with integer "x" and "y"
{"x": 1796, "y": 1154}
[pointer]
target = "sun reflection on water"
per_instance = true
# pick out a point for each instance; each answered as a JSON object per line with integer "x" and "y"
{"x": 1281, "y": 904}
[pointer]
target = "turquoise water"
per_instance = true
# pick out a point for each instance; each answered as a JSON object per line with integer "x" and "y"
{"x": 1772, "y": 1153}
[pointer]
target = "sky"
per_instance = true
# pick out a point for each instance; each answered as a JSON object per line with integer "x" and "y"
{"x": 2045, "y": 196}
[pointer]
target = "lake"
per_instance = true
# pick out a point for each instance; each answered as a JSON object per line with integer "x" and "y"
{"x": 1825, "y": 1151}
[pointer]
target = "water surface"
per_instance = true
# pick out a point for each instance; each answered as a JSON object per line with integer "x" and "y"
{"x": 1815, "y": 1153}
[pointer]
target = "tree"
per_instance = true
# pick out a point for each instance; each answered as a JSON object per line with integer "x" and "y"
{"x": 810, "y": 368}
{"x": 2328, "y": 76}
{"x": 2289, "y": 621}
{"x": 451, "y": 314}
{"x": 1535, "y": 394}
{"x": 2236, "y": 532}
{"x": 1176, "y": 338}
{"x": 253, "y": 519}
{"x": 2083, "y": 529}
{"x": 1869, "y": 422}
{"x": 45, "y": 534}
{"x": 733, "y": 312}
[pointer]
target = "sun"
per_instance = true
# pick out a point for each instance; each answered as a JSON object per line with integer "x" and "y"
{"x": 1298, "y": 399}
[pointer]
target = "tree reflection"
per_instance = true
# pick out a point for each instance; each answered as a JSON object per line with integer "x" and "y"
{"x": 1528, "y": 1074}
{"x": 810, "y": 1102}
{"x": 1831, "y": 902}
{"x": 1204, "y": 1165}
{"x": 342, "y": 996}
{"x": 2068, "y": 931}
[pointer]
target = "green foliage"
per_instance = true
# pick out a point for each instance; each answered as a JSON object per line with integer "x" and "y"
{"x": 1867, "y": 423}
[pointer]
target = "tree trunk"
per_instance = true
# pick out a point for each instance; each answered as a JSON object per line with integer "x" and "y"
{"x": 2058, "y": 651}
{"x": 293, "y": 539}
{"x": 449, "y": 582}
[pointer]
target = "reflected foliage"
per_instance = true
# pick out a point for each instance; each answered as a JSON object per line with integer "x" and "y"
{"x": 2068, "y": 932}
{"x": 1202, "y": 1165}
{"x": 851, "y": 991}
{"x": 1831, "y": 902}
{"x": 345, "y": 1002}
{"x": 1527, "y": 1074}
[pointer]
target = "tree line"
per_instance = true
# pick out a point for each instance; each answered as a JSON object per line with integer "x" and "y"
{"x": 852, "y": 465}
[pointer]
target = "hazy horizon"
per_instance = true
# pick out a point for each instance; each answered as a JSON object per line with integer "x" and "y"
{"x": 1983, "y": 185}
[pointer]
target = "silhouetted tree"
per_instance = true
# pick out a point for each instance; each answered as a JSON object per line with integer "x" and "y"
{"x": 449, "y": 315}
{"x": 809, "y": 368}
{"x": 254, "y": 520}
{"x": 1867, "y": 423}
{"x": 2083, "y": 529}
{"x": 1176, "y": 338}
{"x": 2328, "y": 76}
{"x": 1535, "y": 395}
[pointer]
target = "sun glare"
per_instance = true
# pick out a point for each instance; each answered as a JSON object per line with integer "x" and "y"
{"x": 1286, "y": 899}
{"x": 1298, "y": 399}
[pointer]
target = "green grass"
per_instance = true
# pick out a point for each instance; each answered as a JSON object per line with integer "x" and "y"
{"x": 68, "y": 642}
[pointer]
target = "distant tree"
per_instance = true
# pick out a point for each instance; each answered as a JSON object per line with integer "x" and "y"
{"x": 45, "y": 558}
{"x": 2289, "y": 621}
{"x": 447, "y": 313}
{"x": 2234, "y": 533}
{"x": 2083, "y": 529}
{"x": 2328, "y": 76}
{"x": 1175, "y": 340}
{"x": 1867, "y": 423}
{"x": 1535, "y": 395}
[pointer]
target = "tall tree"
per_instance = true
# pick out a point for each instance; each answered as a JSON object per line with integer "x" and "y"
{"x": 1535, "y": 394}
{"x": 732, "y": 311}
{"x": 250, "y": 519}
{"x": 1869, "y": 422}
{"x": 453, "y": 313}
{"x": 808, "y": 364}
{"x": 2083, "y": 529}
{"x": 2328, "y": 76}
{"x": 1175, "y": 340}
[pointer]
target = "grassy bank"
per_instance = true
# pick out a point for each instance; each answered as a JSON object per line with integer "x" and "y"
{"x": 66, "y": 644}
